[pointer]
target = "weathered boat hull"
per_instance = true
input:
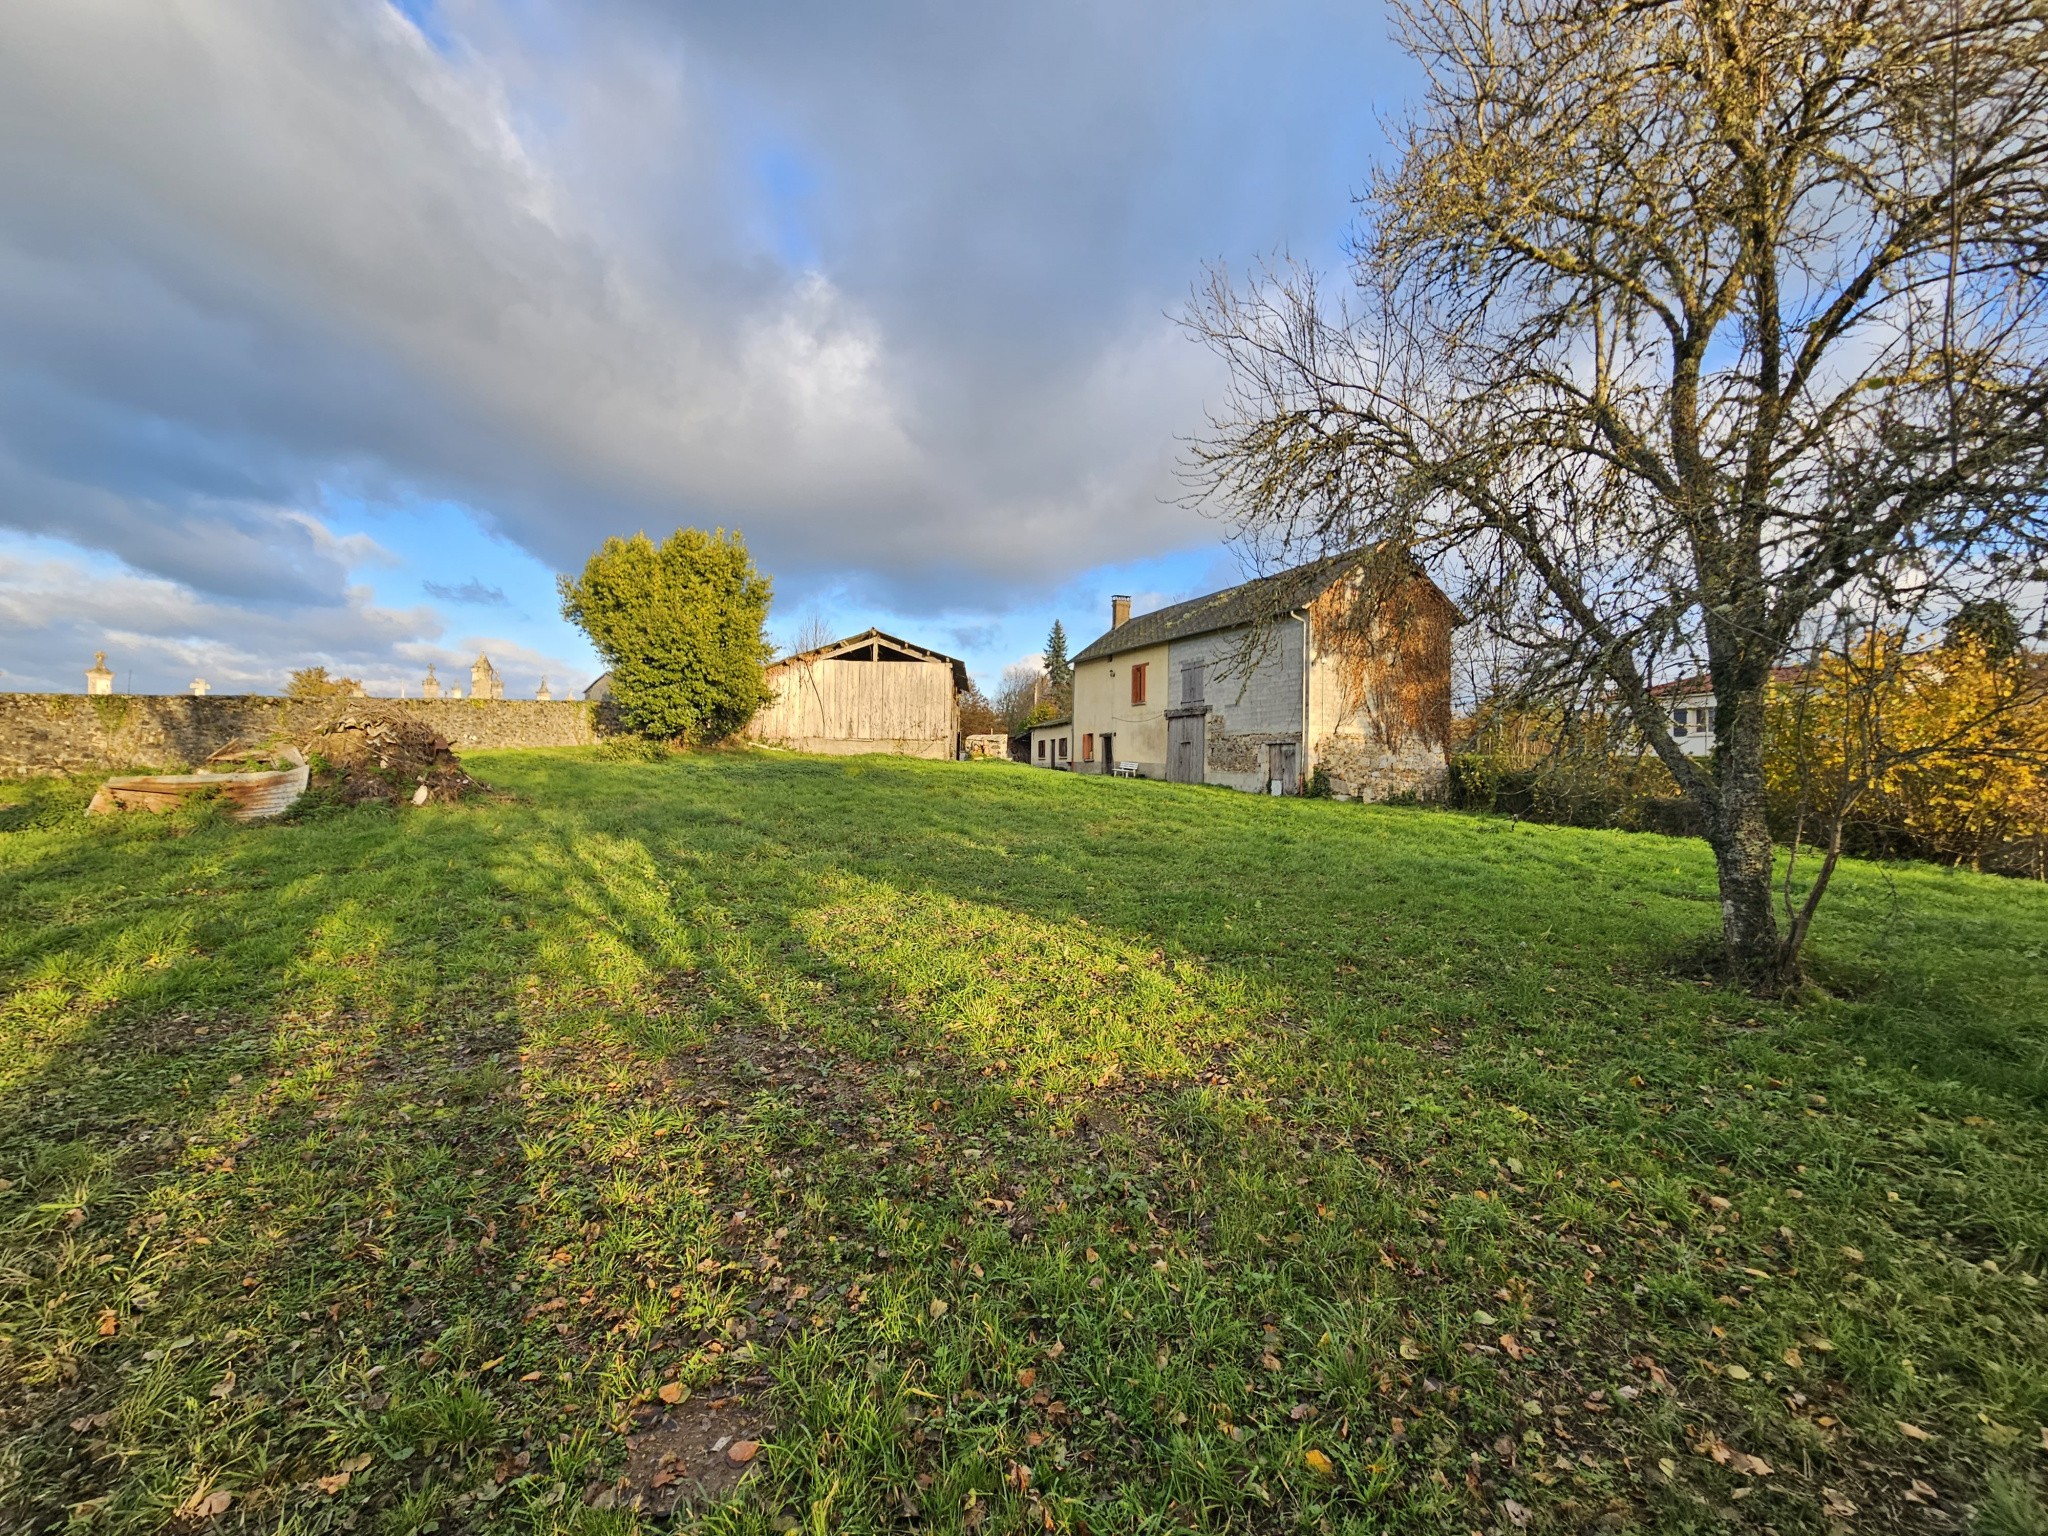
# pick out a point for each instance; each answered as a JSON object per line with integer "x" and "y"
{"x": 247, "y": 796}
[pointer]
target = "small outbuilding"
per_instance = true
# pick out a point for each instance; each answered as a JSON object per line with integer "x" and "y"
{"x": 1051, "y": 744}
{"x": 871, "y": 692}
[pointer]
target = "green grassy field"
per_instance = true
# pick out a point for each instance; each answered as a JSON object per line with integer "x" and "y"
{"x": 1001, "y": 1151}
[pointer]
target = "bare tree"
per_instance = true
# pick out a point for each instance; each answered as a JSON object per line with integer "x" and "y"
{"x": 1676, "y": 322}
{"x": 1025, "y": 697}
{"x": 813, "y": 633}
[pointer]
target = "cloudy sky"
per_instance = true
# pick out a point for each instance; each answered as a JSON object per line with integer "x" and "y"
{"x": 331, "y": 332}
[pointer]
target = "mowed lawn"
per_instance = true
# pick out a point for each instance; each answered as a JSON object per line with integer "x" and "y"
{"x": 993, "y": 1150}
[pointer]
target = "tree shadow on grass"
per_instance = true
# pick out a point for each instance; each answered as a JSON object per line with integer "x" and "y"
{"x": 642, "y": 1059}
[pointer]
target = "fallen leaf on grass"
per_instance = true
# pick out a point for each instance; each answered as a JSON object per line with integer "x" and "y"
{"x": 939, "y": 1308}
{"x": 1518, "y": 1514}
{"x": 1853, "y": 1255}
{"x": 1409, "y": 1349}
{"x": 110, "y": 1324}
{"x": 334, "y": 1484}
{"x": 531, "y": 1376}
{"x": 1920, "y": 1493}
{"x": 1836, "y": 1505}
{"x": 357, "y": 1463}
{"x": 1026, "y": 1377}
{"x": 740, "y": 1452}
{"x": 1792, "y": 1357}
{"x": 1736, "y": 1373}
{"x": 1318, "y": 1463}
{"x": 1912, "y": 1431}
{"x": 1514, "y": 1347}
{"x": 671, "y": 1391}
{"x": 224, "y": 1386}
{"x": 206, "y": 1506}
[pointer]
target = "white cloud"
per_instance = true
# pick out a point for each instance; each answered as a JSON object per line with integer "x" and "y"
{"x": 256, "y": 254}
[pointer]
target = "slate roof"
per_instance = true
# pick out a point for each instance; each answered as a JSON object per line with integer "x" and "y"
{"x": 1264, "y": 597}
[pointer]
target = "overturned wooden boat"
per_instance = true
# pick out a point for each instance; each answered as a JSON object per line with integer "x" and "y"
{"x": 247, "y": 796}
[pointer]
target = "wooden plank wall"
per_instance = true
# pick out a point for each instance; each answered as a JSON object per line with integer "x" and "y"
{"x": 878, "y": 706}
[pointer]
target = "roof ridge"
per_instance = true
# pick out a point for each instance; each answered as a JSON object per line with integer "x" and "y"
{"x": 1224, "y": 608}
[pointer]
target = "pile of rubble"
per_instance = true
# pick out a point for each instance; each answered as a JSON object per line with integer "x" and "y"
{"x": 372, "y": 754}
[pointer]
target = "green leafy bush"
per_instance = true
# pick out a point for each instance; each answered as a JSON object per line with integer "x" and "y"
{"x": 680, "y": 626}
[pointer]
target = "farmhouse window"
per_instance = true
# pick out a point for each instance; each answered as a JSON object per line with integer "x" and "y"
{"x": 1191, "y": 674}
{"x": 1088, "y": 747}
{"x": 1041, "y": 749}
{"x": 1138, "y": 683}
{"x": 1061, "y": 747}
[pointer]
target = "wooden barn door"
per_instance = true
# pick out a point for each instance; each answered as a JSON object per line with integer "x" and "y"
{"x": 1184, "y": 749}
{"x": 1281, "y": 775}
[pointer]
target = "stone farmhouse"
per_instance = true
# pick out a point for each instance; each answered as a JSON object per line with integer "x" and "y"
{"x": 870, "y": 692}
{"x": 1257, "y": 686}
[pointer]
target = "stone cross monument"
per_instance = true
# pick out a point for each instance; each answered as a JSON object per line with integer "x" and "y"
{"x": 430, "y": 685}
{"x": 98, "y": 680}
{"x": 484, "y": 682}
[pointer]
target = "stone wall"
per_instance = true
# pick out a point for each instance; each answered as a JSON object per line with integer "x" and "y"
{"x": 1366, "y": 768}
{"x": 70, "y": 733}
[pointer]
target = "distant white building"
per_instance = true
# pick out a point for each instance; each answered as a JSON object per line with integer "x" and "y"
{"x": 1690, "y": 703}
{"x": 1051, "y": 743}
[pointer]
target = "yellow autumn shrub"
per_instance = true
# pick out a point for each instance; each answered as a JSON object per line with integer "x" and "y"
{"x": 1940, "y": 752}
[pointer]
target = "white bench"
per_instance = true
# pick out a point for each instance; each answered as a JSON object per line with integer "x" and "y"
{"x": 1126, "y": 770}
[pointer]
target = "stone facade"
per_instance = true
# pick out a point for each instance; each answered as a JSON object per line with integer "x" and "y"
{"x": 1372, "y": 771}
{"x": 1264, "y": 684}
{"x": 67, "y": 733}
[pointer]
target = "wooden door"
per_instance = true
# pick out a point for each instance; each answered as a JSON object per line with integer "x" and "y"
{"x": 1282, "y": 777}
{"x": 1184, "y": 749}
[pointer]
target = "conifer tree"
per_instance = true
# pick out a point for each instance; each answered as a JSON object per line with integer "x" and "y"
{"x": 1058, "y": 670}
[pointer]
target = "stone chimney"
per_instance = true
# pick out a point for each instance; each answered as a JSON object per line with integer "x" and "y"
{"x": 1119, "y": 611}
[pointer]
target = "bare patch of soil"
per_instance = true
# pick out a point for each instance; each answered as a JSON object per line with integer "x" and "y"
{"x": 690, "y": 1456}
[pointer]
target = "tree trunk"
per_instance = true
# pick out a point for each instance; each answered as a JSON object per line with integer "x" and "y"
{"x": 1741, "y": 837}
